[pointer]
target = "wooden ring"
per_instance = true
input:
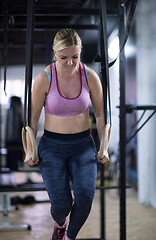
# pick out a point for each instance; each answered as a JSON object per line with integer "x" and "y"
{"x": 32, "y": 139}
{"x": 105, "y": 140}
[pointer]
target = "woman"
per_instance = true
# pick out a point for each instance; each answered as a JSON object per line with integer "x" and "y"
{"x": 66, "y": 149}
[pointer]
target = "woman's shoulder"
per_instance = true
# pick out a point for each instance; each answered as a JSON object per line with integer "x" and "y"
{"x": 93, "y": 78}
{"x": 92, "y": 75}
{"x": 90, "y": 71}
{"x": 42, "y": 79}
{"x": 45, "y": 73}
{"x": 47, "y": 68}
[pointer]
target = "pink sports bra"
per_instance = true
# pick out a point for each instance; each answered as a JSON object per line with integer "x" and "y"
{"x": 58, "y": 105}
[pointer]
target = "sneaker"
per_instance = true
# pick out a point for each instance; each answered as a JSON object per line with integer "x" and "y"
{"x": 59, "y": 232}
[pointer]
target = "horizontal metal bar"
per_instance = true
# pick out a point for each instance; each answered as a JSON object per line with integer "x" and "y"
{"x": 110, "y": 187}
{"x": 40, "y": 187}
{"x": 23, "y": 189}
{"x": 57, "y": 27}
{"x": 20, "y": 170}
{"x": 65, "y": 12}
{"x": 130, "y": 107}
{"x": 59, "y": 12}
{"x": 145, "y": 107}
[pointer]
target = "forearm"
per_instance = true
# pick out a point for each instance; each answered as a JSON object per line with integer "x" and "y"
{"x": 100, "y": 124}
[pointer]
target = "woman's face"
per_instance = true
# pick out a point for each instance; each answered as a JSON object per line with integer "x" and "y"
{"x": 69, "y": 58}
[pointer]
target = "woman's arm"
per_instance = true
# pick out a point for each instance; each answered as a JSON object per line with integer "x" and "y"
{"x": 40, "y": 89}
{"x": 96, "y": 94}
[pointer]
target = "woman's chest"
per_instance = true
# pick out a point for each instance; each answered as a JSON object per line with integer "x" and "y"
{"x": 69, "y": 88}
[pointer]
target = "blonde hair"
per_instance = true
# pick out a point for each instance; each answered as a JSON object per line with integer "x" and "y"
{"x": 66, "y": 38}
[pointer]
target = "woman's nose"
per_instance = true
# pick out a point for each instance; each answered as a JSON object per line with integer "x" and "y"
{"x": 70, "y": 62}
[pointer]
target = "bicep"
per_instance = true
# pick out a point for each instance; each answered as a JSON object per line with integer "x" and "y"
{"x": 38, "y": 96}
{"x": 96, "y": 94}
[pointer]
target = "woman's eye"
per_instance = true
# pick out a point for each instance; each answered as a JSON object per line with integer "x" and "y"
{"x": 75, "y": 56}
{"x": 63, "y": 57}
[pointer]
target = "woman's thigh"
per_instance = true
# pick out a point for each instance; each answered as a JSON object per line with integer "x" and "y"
{"x": 83, "y": 169}
{"x": 54, "y": 171}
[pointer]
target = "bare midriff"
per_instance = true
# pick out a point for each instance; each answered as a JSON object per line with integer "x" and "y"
{"x": 67, "y": 124}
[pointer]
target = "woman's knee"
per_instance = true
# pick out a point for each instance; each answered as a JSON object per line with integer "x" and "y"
{"x": 61, "y": 210}
{"x": 84, "y": 200}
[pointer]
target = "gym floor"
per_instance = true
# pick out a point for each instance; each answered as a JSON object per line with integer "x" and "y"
{"x": 141, "y": 220}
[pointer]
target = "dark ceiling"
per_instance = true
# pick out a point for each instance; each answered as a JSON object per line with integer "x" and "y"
{"x": 50, "y": 16}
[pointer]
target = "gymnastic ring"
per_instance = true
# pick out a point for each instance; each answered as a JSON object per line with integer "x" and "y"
{"x": 105, "y": 140}
{"x": 32, "y": 139}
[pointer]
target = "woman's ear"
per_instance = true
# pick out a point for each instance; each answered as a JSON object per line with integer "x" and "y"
{"x": 54, "y": 52}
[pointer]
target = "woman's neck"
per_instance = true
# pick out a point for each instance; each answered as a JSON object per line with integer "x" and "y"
{"x": 66, "y": 73}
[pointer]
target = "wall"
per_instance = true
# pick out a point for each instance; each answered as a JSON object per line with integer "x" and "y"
{"x": 146, "y": 95}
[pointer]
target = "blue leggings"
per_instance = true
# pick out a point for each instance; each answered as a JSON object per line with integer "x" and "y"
{"x": 66, "y": 158}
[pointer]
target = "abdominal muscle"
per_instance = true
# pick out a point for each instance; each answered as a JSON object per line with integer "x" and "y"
{"x": 67, "y": 124}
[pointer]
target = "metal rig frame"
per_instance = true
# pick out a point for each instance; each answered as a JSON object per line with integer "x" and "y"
{"x": 102, "y": 12}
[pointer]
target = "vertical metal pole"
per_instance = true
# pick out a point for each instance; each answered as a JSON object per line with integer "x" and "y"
{"x": 5, "y": 39}
{"x": 122, "y": 167}
{"x": 29, "y": 55}
{"x": 0, "y": 119}
{"x": 102, "y": 203}
{"x": 105, "y": 75}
